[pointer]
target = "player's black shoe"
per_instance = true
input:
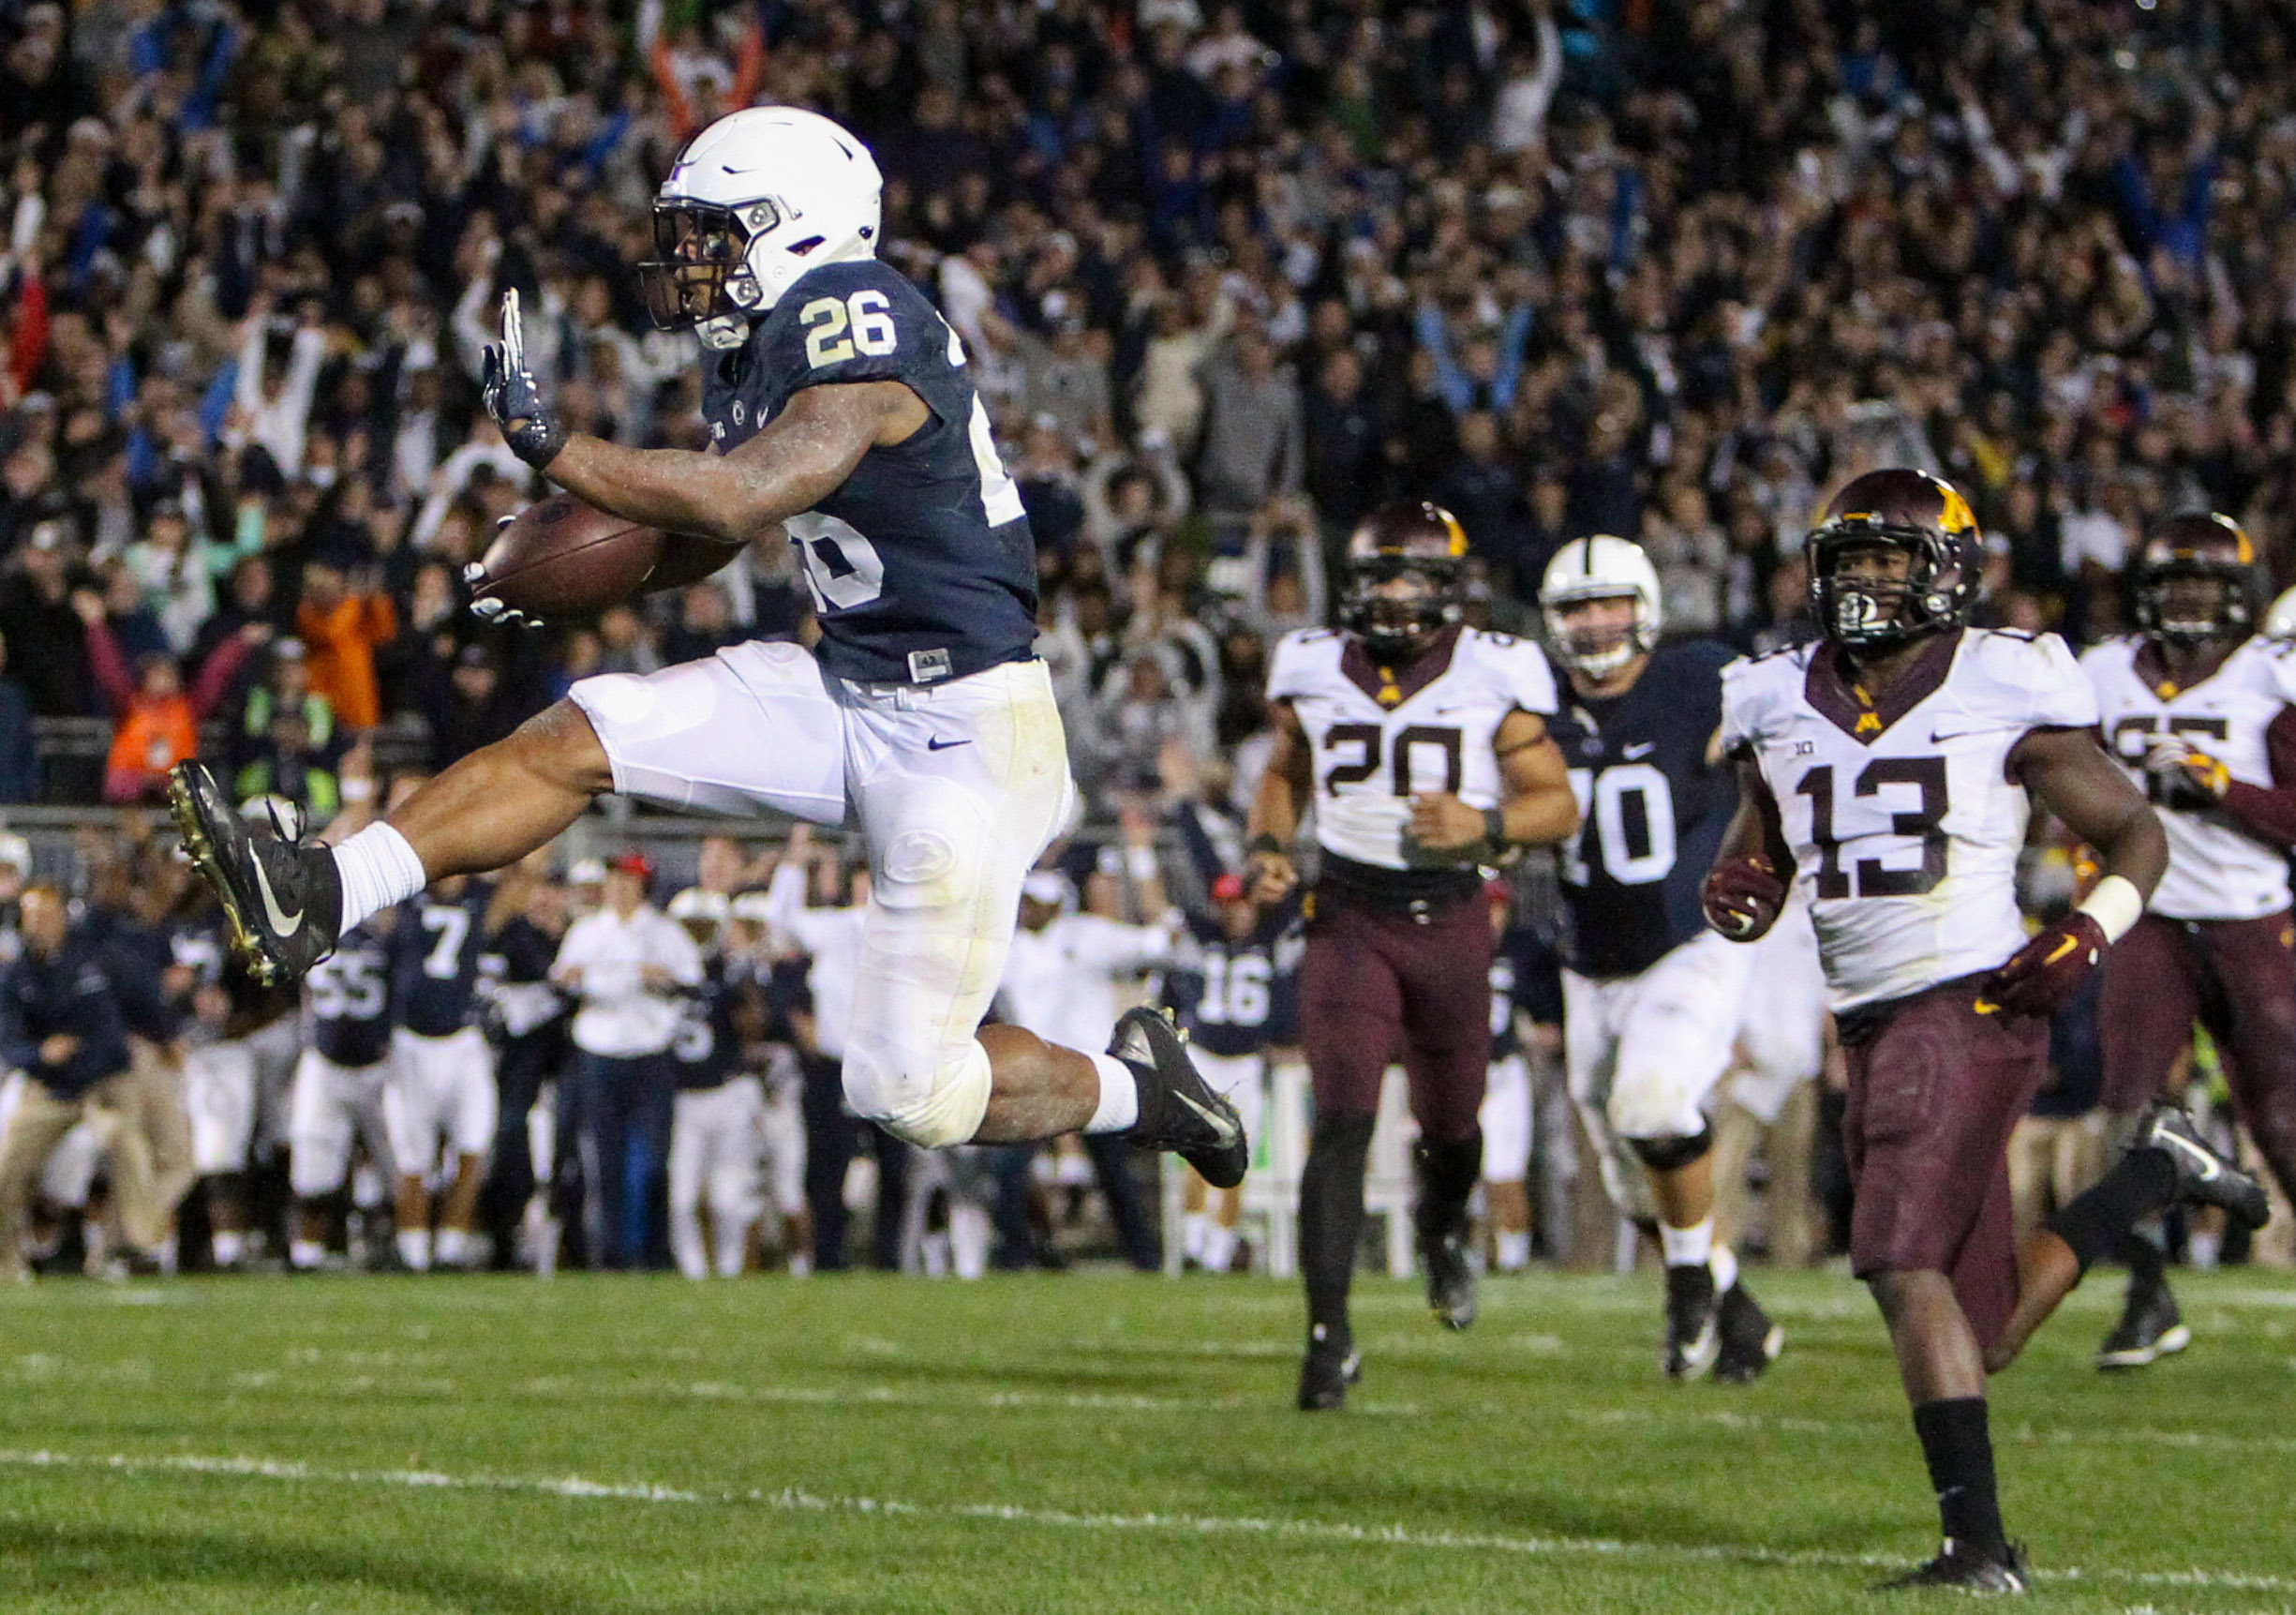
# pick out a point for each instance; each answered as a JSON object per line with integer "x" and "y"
{"x": 281, "y": 897}
{"x": 1750, "y": 1340}
{"x": 1327, "y": 1372}
{"x": 1968, "y": 1571}
{"x": 2203, "y": 1177}
{"x": 1450, "y": 1278}
{"x": 1178, "y": 1108}
{"x": 1693, "y": 1331}
{"x": 2149, "y": 1329}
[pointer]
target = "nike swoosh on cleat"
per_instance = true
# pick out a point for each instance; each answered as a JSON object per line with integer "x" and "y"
{"x": 2211, "y": 1168}
{"x": 281, "y": 921}
{"x": 1229, "y": 1132}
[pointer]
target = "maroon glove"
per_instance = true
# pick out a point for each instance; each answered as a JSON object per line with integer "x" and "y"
{"x": 2041, "y": 978}
{"x": 1742, "y": 897}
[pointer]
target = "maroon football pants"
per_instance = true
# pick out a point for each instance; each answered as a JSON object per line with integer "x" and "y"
{"x": 2235, "y": 977}
{"x": 1377, "y": 987}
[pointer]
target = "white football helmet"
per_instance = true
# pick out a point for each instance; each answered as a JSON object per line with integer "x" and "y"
{"x": 751, "y": 203}
{"x": 1597, "y": 568}
{"x": 2280, "y": 621}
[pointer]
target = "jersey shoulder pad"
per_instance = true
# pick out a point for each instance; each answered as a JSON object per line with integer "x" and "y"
{"x": 1301, "y": 659}
{"x": 1758, "y": 691}
{"x": 1519, "y": 666}
{"x": 2110, "y": 655}
{"x": 855, "y": 322}
{"x": 2027, "y": 678}
{"x": 2270, "y": 667}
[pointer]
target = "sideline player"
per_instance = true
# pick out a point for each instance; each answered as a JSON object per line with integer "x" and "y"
{"x": 441, "y": 1091}
{"x": 1422, "y": 745}
{"x": 1890, "y": 769}
{"x": 1651, "y": 998}
{"x": 1526, "y": 993}
{"x": 337, "y": 1094}
{"x": 715, "y": 1118}
{"x": 842, "y": 412}
{"x": 2198, "y": 708}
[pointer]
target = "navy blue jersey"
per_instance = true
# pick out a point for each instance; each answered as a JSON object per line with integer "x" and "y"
{"x": 1236, "y": 995}
{"x": 435, "y": 951}
{"x": 921, "y": 564}
{"x": 706, "y": 1050}
{"x": 137, "y": 956}
{"x": 1653, "y": 808}
{"x": 351, "y": 1000}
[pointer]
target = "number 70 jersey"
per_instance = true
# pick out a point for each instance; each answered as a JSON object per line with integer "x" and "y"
{"x": 1903, "y": 819}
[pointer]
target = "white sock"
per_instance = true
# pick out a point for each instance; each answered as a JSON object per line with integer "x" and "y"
{"x": 800, "y": 1264}
{"x": 453, "y": 1247}
{"x": 378, "y": 868}
{"x": 1723, "y": 1264}
{"x": 1119, "y": 1096}
{"x": 226, "y": 1247}
{"x": 1514, "y": 1250}
{"x": 969, "y": 1231}
{"x": 2203, "y": 1248}
{"x": 414, "y": 1248}
{"x": 1219, "y": 1247}
{"x": 1193, "y": 1227}
{"x": 305, "y": 1254}
{"x": 1686, "y": 1247}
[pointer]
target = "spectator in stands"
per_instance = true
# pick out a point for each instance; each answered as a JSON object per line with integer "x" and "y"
{"x": 342, "y": 621}
{"x": 155, "y": 720}
{"x": 46, "y": 633}
{"x": 19, "y": 765}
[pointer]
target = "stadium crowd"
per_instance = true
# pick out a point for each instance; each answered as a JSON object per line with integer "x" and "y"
{"x": 1229, "y": 275}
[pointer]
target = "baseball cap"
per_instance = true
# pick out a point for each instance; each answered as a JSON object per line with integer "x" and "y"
{"x": 1228, "y": 889}
{"x": 1046, "y": 886}
{"x": 587, "y": 872}
{"x": 635, "y": 863}
{"x": 695, "y": 903}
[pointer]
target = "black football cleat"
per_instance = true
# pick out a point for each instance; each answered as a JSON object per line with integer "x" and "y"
{"x": 2203, "y": 1177}
{"x": 2151, "y": 1328}
{"x": 1326, "y": 1372}
{"x": 1967, "y": 1570}
{"x": 1178, "y": 1108}
{"x": 1693, "y": 1332}
{"x": 1750, "y": 1341}
{"x": 282, "y": 897}
{"x": 1450, "y": 1278}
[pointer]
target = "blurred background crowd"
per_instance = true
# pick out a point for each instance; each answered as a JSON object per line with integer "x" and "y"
{"x": 1230, "y": 274}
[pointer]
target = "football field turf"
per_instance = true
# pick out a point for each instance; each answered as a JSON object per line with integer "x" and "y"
{"x": 1086, "y": 1442}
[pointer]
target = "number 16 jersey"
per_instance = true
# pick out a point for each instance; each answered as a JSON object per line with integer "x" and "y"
{"x": 1902, "y": 816}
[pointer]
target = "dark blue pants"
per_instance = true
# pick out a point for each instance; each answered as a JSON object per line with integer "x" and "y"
{"x": 625, "y": 1123}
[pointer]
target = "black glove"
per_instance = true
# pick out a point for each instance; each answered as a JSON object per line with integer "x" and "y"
{"x": 511, "y": 396}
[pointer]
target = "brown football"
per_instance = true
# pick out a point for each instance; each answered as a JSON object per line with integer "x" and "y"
{"x": 563, "y": 559}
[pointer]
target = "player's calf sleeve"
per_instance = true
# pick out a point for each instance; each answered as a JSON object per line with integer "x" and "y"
{"x": 1447, "y": 1174}
{"x": 2143, "y": 1181}
{"x": 1958, "y": 1445}
{"x": 1331, "y": 1215}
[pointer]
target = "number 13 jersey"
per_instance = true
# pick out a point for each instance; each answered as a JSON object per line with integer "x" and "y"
{"x": 1376, "y": 741}
{"x": 1904, "y": 817}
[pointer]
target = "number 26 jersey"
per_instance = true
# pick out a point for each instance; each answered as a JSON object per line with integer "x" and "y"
{"x": 1376, "y": 741}
{"x": 1902, "y": 816}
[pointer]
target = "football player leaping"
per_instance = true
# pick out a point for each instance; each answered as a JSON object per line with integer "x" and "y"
{"x": 1651, "y": 997}
{"x": 1423, "y": 747}
{"x": 1890, "y": 769}
{"x": 842, "y": 410}
{"x": 2199, "y": 710}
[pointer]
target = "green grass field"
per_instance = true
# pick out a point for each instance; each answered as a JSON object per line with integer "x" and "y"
{"x": 1079, "y": 1442}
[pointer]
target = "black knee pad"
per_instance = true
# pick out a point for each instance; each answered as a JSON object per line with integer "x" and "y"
{"x": 1672, "y": 1154}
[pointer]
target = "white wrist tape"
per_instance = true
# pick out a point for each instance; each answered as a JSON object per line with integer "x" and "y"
{"x": 2115, "y": 906}
{"x": 1139, "y": 862}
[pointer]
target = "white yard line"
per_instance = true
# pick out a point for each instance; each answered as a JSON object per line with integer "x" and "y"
{"x": 795, "y": 1501}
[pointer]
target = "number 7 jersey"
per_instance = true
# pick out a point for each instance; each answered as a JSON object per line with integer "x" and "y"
{"x": 1902, "y": 816}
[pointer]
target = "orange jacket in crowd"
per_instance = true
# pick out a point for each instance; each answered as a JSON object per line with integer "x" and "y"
{"x": 159, "y": 722}
{"x": 340, "y": 640}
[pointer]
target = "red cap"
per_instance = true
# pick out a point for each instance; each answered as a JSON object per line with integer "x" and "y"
{"x": 635, "y": 863}
{"x": 1228, "y": 889}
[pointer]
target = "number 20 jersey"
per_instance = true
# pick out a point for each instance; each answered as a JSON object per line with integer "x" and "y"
{"x": 921, "y": 563}
{"x": 1903, "y": 822}
{"x": 1374, "y": 742}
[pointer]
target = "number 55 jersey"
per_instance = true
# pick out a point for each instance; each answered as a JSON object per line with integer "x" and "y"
{"x": 1903, "y": 813}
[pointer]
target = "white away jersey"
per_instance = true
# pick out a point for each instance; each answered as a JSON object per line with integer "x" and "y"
{"x": 1903, "y": 822}
{"x": 1376, "y": 742}
{"x": 2217, "y": 870}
